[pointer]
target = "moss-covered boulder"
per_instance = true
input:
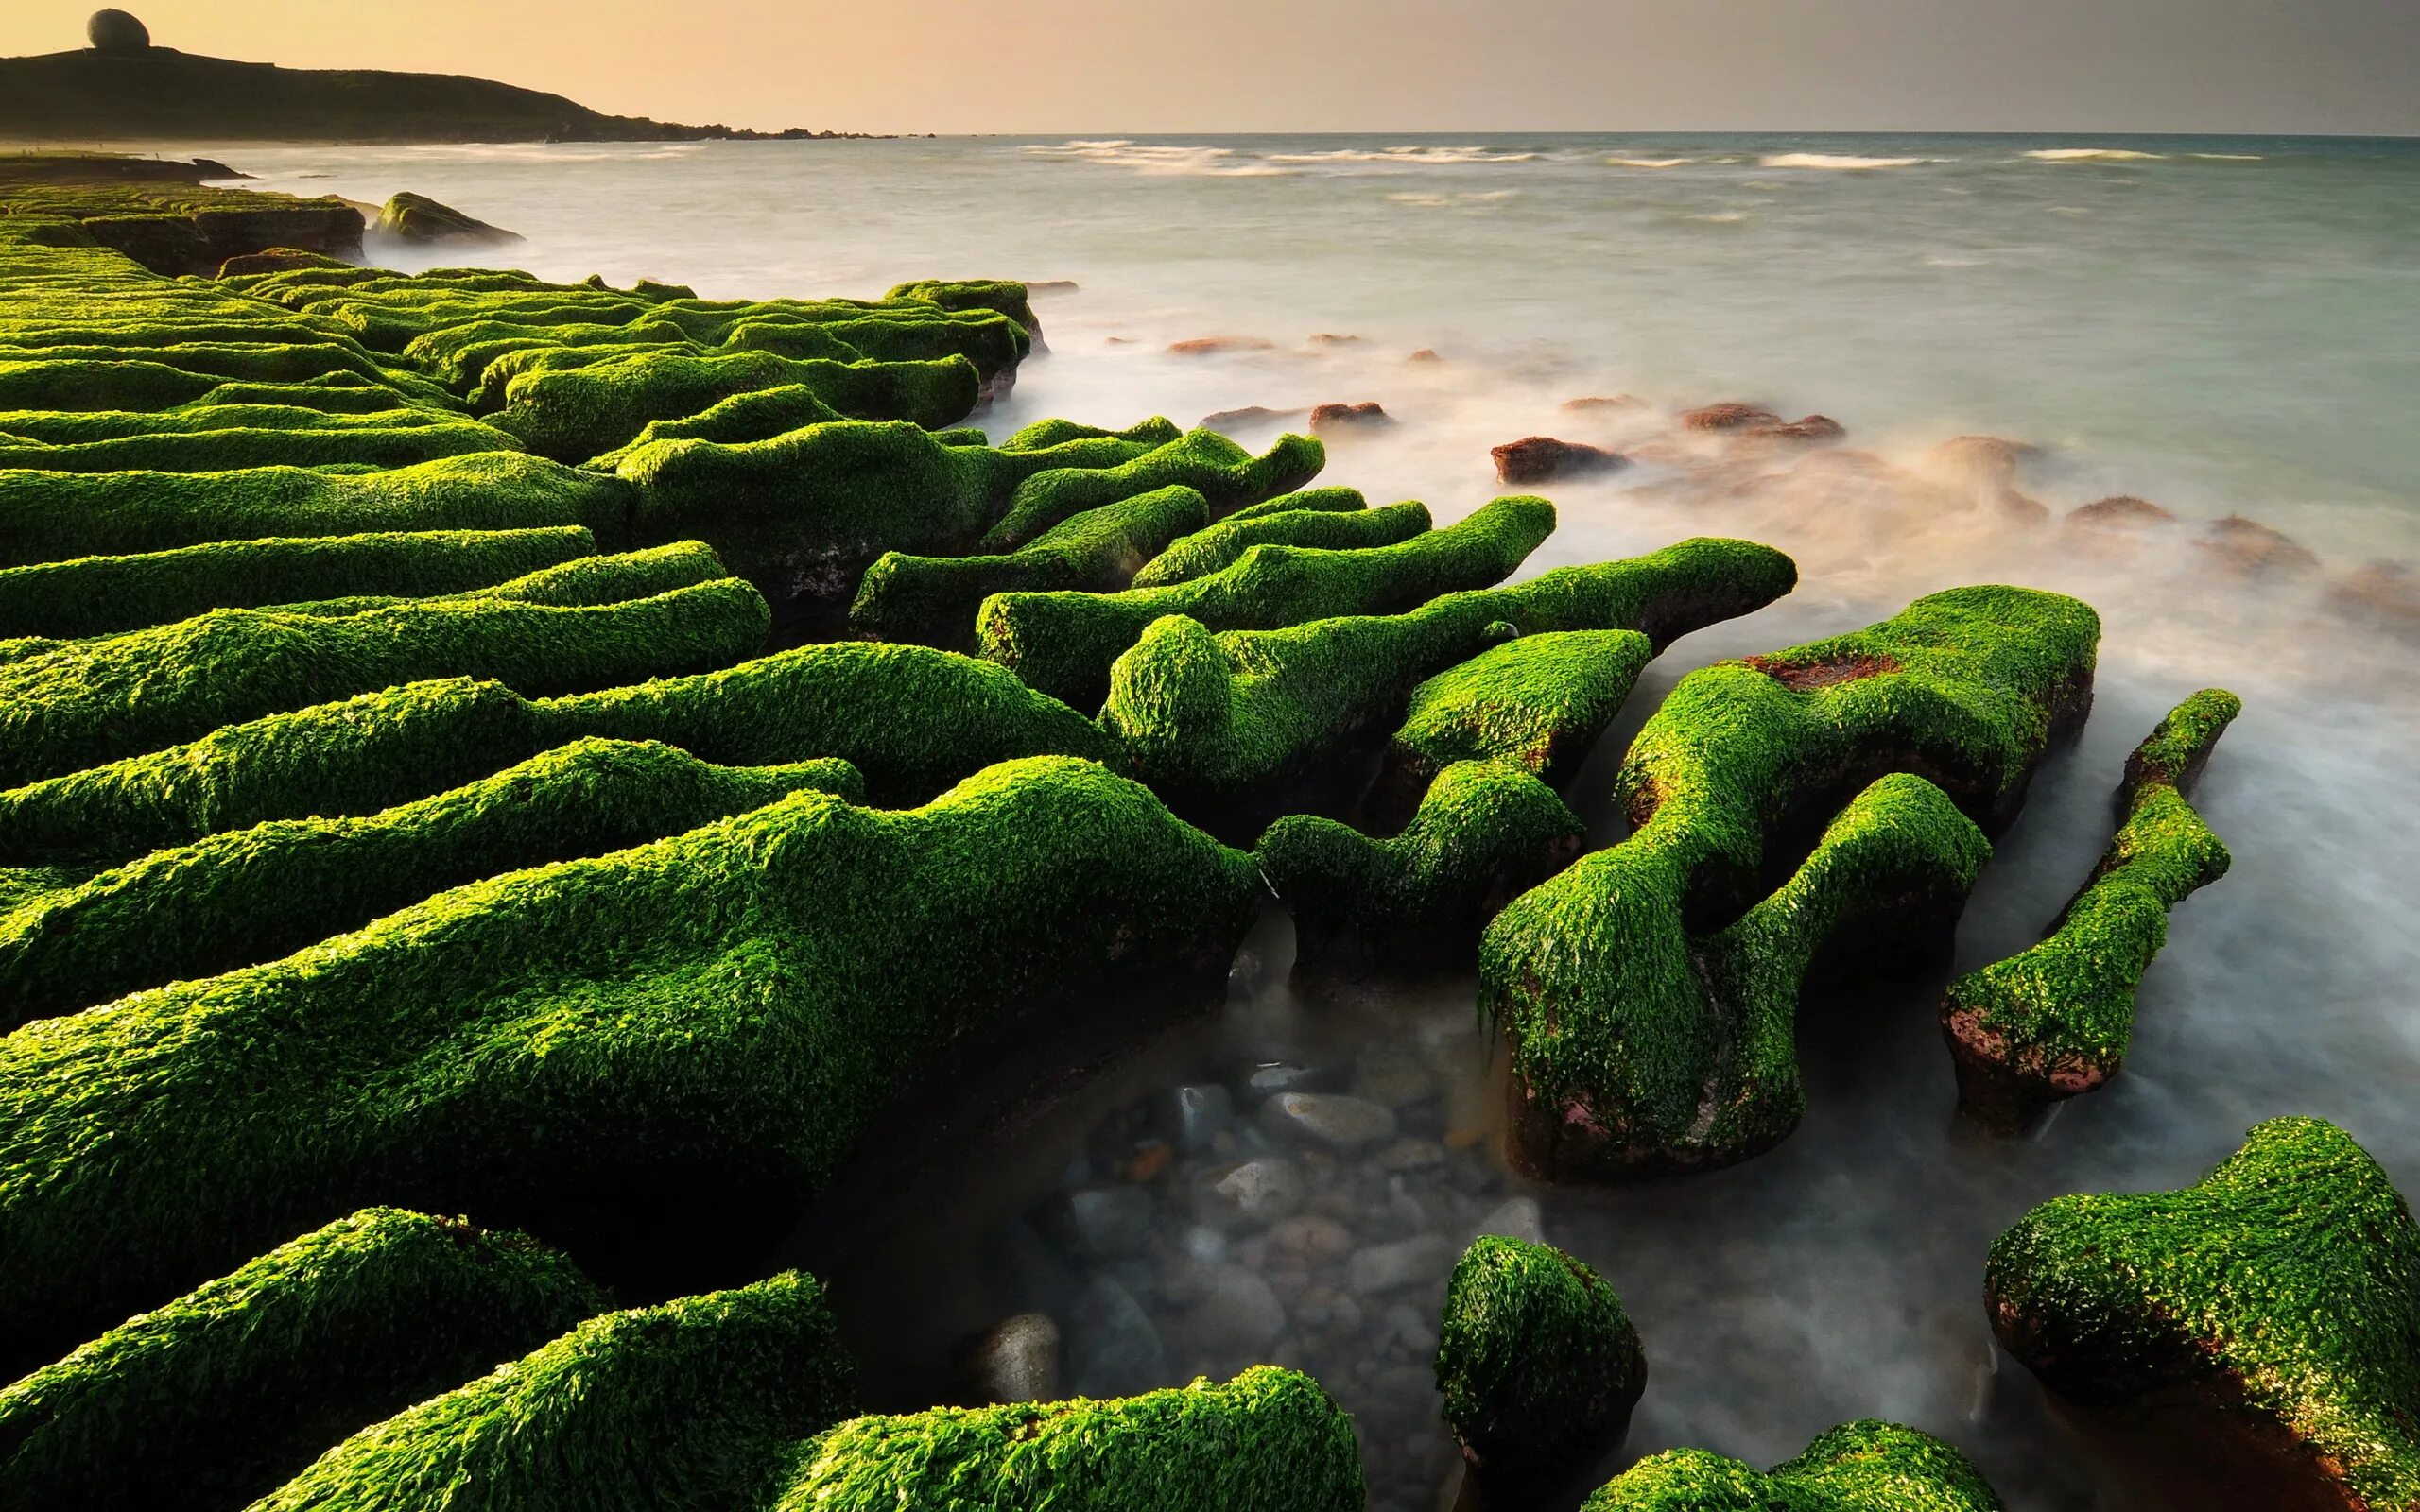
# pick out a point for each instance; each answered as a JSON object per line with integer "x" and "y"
{"x": 1268, "y": 1439}
{"x": 252, "y": 895}
{"x": 410, "y": 217}
{"x": 1233, "y": 729}
{"x": 1485, "y": 833}
{"x": 103, "y": 595}
{"x": 1067, "y": 643}
{"x": 1639, "y": 1046}
{"x": 56, "y": 516}
{"x": 1860, "y": 1466}
{"x": 654, "y": 1056}
{"x": 1329, "y": 519}
{"x": 2055, "y": 1021}
{"x": 698, "y": 1403}
{"x": 932, "y": 600}
{"x": 100, "y": 701}
{"x": 1226, "y": 474}
{"x": 1537, "y": 1365}
{"x": 224, "y": 1393}
{"x": 2268, "y": 1316}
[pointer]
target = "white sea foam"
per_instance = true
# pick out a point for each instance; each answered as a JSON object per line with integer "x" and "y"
{"x": 1723, "y": 217}
{"x": 1162, "y": 158}
{"x": 1419, "y": 154}
{"x": 2092, "y": 155}
{"x": 1439, "y": 201}
{"x": 2229, "y": 156}
{"x": 1837, "y": 161}
{"x": 1645, "y": 162}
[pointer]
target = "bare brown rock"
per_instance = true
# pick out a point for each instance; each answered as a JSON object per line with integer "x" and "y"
{"x": 1424, "y": 355}
{"x": 1981, "y": 458}
{"x": 1329, "y": 339}
{"x": 1542, "y": 459}
{"x": 1326, "y": 420}
{"x": 1728, "y": 416}
{"x": 1603, "y": 402}
{"x": 2387, "y": 592}
{"x": 2250, "y": 549}
{"x": 1248, "y": 415}
{"x": 1815, "y": 429}
{"x": 1214, "y": 346}
{"x": 2119, "y": 511}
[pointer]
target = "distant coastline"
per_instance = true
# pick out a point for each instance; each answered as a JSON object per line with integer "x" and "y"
{"x": 159, "y": 93}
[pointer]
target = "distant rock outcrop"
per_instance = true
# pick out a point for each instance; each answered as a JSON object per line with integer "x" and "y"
{"x": 410, "y": 217}
{"x": 115, "y": 31}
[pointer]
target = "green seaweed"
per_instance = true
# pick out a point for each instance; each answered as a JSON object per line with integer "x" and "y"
{"x": 932, "y": 600}
{"x": 1270, "y": 1438}
{"x": 2056, "y": 1020}
{"x": 1067, "y": 643}
{"x": 1330, "y": 518}
{"x": 103, "y": 595}
{"x": 1537, "y": 1363}
{"x": 1866, "y": 1466}
{"x": 1634, "y": 1055}
{"x": 252, "y": 895}
{"x": 2277, "y": 1303}
{"x": 224, "y": 1393}
{"x": 655, "y": 1057}
{"x": 692, "y": 1406}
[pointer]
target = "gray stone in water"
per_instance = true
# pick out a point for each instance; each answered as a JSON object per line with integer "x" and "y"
{"x": 1409, "y": 1331}
{"x": 1327, "y": 1118}
{"x": 1329, "y": 1313}
{"x": 1104, "y": 1222}
{"x": 1272, "y": 1076}
{"x": 1515, "y": 1218}
{"x": 1237, "y": 1312}
{"x": 1203, "y": 1244}
{"x": 1312, "y": 1239}
{"x": 1409, "y": 1155}
{"x": 1194, "y": 1116}
{"x": 1422, "y": 1258}
{"x": 1248, "y": 1193}
{"x": 1015, "y": 1360}
{"x": 1113, "y": 1350}
{"x": 1393, "y": 1076}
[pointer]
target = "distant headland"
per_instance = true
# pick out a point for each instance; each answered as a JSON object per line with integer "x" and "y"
{"x": 123, "y": 87}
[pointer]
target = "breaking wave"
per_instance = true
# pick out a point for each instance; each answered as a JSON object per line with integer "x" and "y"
{"x": 1837, "y": 161}
{"x": 2092, "y": 155}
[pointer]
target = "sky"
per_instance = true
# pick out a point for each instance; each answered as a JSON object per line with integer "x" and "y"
{"x": 2247, "y": 66}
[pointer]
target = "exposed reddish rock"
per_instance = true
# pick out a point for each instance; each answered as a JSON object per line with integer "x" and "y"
{"x": 1212, "y": 346}
{"x": 2020, "y": 508}
{"x": 2252, "y": 549}
{"x": 1728, "y": 416}
{"x": 1603, "y": 402}
{"x": 1329, "y": 339}
{"x": 1327, "y": 418}
{"x": 1119, "y": 341}
{"x": 1542, "y": 459}
{"x": 2118, "y": 512}
{"x": 1809, "y": 428}
{"x": 1424, "y": 355}
{"x": 1248, "y": 415}
{"x": 1983, "y": 458}
{"x": 2388, "y": 592}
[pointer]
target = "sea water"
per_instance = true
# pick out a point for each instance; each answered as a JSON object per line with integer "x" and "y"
{"x": 2222, "y": 326}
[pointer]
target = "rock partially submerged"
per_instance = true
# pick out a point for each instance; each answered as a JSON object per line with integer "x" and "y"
{"x": 1542, "y": 459}
{"x": 1652, "y": 1018}
{"x": 1327, "y": 419}
{"x": 2266, "y": 1321}
{"x": 420, "y": 221}
{"x": 1537, "y": 1363}
{"x": 2056, "y": 1020}
{"x": 1860, "y": 1467}
{"x": 1730, "y": 415}
{"x": 2247, "y": 548}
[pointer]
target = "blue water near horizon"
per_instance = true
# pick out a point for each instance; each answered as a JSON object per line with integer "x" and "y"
{"x": 2222, "y": 325}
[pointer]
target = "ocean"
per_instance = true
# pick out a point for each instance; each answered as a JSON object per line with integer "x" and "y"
{"x": 2222, "y": 326}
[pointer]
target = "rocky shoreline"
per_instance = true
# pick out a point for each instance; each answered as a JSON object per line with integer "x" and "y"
{"x": 506, "y": 787}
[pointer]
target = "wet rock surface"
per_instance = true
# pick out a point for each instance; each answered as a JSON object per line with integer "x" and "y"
{"x": 1544, "y": 459}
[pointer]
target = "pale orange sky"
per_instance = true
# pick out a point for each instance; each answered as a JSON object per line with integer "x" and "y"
{"x": 1097, "y": 65}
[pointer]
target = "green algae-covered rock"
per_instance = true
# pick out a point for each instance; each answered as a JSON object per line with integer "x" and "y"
{"x": 1067, "y": 643}
{"x": 1226, "y": 474}
{"x": 412, "y": 217}
{"x": 1859, "y": 1467}
{"x": 415, "y": 435}
{"x": 122, "y": 696}
{"x": 2056, "y": 1020}
{"x": 252, "y": 895}
{"x": 1537, "y": 1365}
{"x": 1485, "y": 833}
{"x": 2273, "y": 1310}
{"x": 1637, "y": 1049}
{"x": 1222, "y": 725}
{"x": 1537, "y": 702}
{"x": 55, "y": 516}
{"x": 658, "y": 1054}
{"x": 1329, "y": 519}
{"x": 932, "y": 600}
{"x": 219, "y": 1396}
{"x": 912, "y": 720}
{"x": 103, "y": 595}
{"x": 695, "y": 1405}
{"x": 1268, "y": 1441}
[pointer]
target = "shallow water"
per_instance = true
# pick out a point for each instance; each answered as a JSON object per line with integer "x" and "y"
{"x": 2218, "y": 325}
